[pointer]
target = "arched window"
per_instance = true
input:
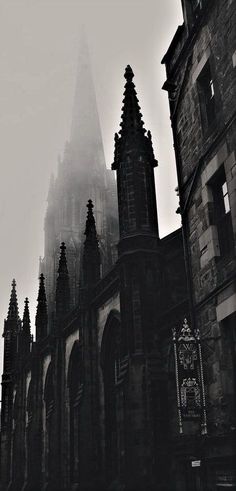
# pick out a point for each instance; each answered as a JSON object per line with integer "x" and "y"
{"x": 16, "y": 443}
{"x": 114, "y": 367}
{"x": 75, "y": 384}
{"x": 29, "y": 404}
{"x": 29, "y": 433}
{"x": 49, "y": 399}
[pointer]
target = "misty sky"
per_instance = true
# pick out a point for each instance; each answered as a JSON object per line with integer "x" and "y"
{"x": 38, "y": 58}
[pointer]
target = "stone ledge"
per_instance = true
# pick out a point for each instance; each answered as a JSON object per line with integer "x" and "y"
{"x": 226, "y": 308}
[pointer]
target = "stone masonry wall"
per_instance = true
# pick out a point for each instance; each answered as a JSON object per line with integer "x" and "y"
{"x": 202, "y": 154}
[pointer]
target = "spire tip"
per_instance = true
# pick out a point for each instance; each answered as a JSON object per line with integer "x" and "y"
{"x": 90, "y": 205}
{"x": 129, "y": 74}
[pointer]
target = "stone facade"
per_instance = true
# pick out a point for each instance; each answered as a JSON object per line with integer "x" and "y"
{"x": 132, "y": 385}
{"x": 201, "y": 82}
{"x": 85, "y": 404}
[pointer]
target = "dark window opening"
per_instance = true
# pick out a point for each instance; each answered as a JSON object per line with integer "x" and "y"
{"x": 49, "y": 406}
{"x": 113, "y": 371}
{"x": 222, "y": 215}
{"x": 206, "y": 91}
{"x": 75, "y": 383}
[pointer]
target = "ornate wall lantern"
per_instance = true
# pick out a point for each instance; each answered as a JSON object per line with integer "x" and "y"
{"x": 189, "y": 377}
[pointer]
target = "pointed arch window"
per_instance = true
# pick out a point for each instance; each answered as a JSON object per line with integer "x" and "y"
{"x": 17, "y": 453}
{"x": 29, "y": 432}
{"x": 75, "y": 384}
{"x": 49, "y": 399}
{"x": 114, "y": 367}
{"x": 29, "y": 406}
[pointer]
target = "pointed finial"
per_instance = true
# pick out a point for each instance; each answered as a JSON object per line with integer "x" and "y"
{"x": 63, "y": 247}
{"x": 13, "y": 313}
{"x": 131, "y": 115}
{"x": 63, "y": 288}
{"x": 26, "y": 317}
{"x": 26, "y": 309}
{"x": 91, "y": 255}
{"x": 41, "y": 292}
{"x": 90, "y": 205}
{"x": 132, "y": 135}
{"x": 90, "y": 216}
{"x": 90, "y": 228}
{"x": 41, "y": 314}
{"x": 25, "y": 334}
{"x": 129, "y": 74}
{"x": 62, "y": 267}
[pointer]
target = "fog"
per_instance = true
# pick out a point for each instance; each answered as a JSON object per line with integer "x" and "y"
{"x": 39, "y": 46}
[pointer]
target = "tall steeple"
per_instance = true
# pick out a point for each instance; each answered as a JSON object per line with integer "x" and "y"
{"x": 91, "y": 255}
{"x": 26, "y": 317}
{"x": 86, "y": 137}
{"x": 82, "y": 174}
{"x": 134, "y": 162}
{"x": 11, "y": 331}
{"x": 131, "y": 115}
{"x": 13, "y": 312}
{"x": 26, "y": 331}
{"x": 63, "y": 288}
{"x": 140, "y": 274}
{"x": 41, "y": 319}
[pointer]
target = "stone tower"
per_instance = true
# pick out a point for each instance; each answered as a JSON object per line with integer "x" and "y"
{"x": 140, "y": 269}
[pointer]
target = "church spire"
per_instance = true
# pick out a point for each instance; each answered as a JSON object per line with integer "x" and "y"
{"x": 134, "y": 162}
{"x": 13, "y": 313}
{"x": 41, "y": 319}
{"x": 86, "y": 137}
{"x": 10, "y": 334}
{"x": 132, "y": 134}
{"x": 91, "y": 255}
{"x": 26, "y": 318}
{"x": 90, "y": 229}
{"x": 81, "y": 173}
{"x": 131, "y": 115}
{"x": 25, "y": 331}
{"x": 63, "y": 288}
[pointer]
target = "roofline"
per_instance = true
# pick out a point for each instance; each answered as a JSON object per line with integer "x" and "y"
{"x": 173, "y": 43}
{"x": 172, "y": 235}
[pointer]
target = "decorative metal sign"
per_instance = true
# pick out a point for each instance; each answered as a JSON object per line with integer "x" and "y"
{"x": 189, "y": 376}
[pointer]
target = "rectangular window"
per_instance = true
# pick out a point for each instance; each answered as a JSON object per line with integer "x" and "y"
{"x": 206, "y": 92}
{"x": 222, "y": 215}
{"x": 226, "y": 197}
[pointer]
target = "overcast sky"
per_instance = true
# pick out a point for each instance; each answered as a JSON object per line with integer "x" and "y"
{"x": 38, "y": 58}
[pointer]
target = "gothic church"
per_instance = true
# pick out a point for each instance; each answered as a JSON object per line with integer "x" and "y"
{"x": 129, "y": 383}
{"x": 81, "y": 405}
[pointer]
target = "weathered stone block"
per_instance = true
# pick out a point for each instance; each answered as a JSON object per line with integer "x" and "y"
{"x": 226, "y": 308}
